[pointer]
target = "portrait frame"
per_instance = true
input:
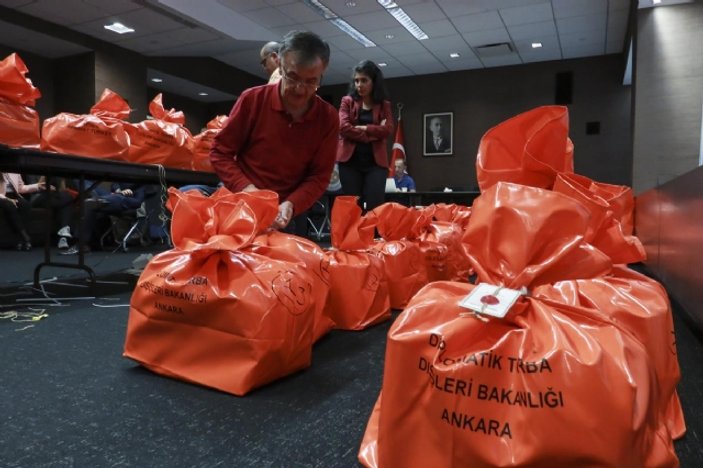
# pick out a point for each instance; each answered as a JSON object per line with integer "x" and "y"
{"x": 446, "y": 144}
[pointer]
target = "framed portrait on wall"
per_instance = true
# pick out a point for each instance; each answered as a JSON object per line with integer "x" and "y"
{"x": 439, "y": 134}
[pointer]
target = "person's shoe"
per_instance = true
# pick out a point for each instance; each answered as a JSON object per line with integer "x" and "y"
{"x": 64, "y": 232}
{"x": 63, "y": 243}
{"x": 74, "y": 250}
{"x": 26, "y": 246}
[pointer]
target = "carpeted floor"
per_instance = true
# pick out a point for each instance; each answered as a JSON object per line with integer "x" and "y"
{"x": 71, "y": 400}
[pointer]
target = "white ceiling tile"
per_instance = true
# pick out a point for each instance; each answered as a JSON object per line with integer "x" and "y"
{"x": 269, "y": 17}
{"x": 528, "y": 31}
{"x": 443, "y": 46}
{"x": 527, "y": 14}
{"x": 568, "y": 8}
{"x": 322, "y": 28}
{"x": 344, "y": 42}
{"x": 372, "y": 21}
{"x": 405, "y": 48}
{"x": 399, "y": 34}
{"x": 276, "y": 3}
{"x": 501, "y": 61}
{"x": 341, "y": 8}
{"x": 421, "y": 12}
{"x": 498, "y": 4}
{"x": 15, "y": 3}
{"x": 439, "y": 28}
{"x": 19, "y": 38}
{"x": 477, "y": 22}
{"x": 493, "y": 36}
{"x": 427, "y": 68}
{"x": 143, "y": 21}
{"x": 299, "y": 12}
{"x": 549, "y": 43}
{"x": 242, "y": 5}
{"x": 376, "y": 54}
{"x": 169, "y": 39}
{"x": 576, "y": 24}
{"x": 541, "y": 56}
{"x": 71, "y": 11}
{"x": 113, "y": 6}
{"x": 416, "y": 60}
{"x": 583, "y": 38}
{"x": 453, "y": 8}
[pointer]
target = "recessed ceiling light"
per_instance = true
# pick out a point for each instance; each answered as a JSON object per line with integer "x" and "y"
{"x": 382, "y": 64}
{"x": 202, "y": 94}
{"x": 656, "y": 2}
{"x": 454, "y": 55}
{"x": 350, "y": 4}
{"x": 157, "y": 80}
{"x": 119, "y": 28}
{"x": 333, "y": 18}
{"x": 536, "y": 45}
{"x": 389, "y": 36}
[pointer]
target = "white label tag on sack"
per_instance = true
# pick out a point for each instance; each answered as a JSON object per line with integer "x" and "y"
{"x": 488, "y": 299}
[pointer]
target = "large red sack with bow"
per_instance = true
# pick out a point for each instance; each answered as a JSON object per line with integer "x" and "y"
{"x": 530, "y": 149}
{"x": 161, "y": 140}
{"x": 609, "y": 216}
{"x": 403, "y": 261}
{"x": 358, "y": 287}
{"x": 100, "y": 134}
{"x": 552, "y": 383}
{"x": 446, "y": 228}
{"x": 202, "y": 143}
{"x": 19, "y": 123}
{"x": 212, "y": 312}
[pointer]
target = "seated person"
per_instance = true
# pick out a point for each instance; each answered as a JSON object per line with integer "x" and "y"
{"x": 120, "y": 198}
{"x": 402, "y": 179}
{"x": 15, "y": 207}
{"x": 206, "y": 190}
{"x": 60, "y": 199}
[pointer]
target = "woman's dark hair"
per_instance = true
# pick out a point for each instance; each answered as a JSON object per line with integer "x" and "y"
{"x": 370, "y": 69}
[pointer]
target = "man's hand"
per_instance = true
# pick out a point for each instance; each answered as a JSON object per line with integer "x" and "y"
{"x": 126, "y": 192}
{"x": 285, "y": 214}
{"x": 250, "y": 188}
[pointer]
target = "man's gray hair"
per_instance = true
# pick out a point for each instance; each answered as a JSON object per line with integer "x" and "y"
{"x": 269, "y": 48}
{"x": 307, "y": 46}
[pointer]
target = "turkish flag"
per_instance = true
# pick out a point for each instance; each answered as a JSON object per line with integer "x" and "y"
{"x": 398, "y": 148}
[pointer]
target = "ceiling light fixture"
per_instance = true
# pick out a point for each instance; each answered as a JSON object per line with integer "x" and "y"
{"x": 119, "y": 28}
{"x": 382, "y": 64}
{"x": 656, "y": 2}
{"x": 454, "y": 55}
{"x": 333, "y": 18}
{"x": 157, "y": 80}
{"x": 403, "y": 18}
{"x": 202, "y": 94}
{"x": 389, "y": 36}
{"x": 536, "y": 45}
{"x": 350, "y": 4}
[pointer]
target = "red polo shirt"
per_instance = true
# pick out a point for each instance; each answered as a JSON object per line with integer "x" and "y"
{"x": 260, "y": 144}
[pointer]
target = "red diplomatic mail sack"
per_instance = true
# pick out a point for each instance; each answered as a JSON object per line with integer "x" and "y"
{"x": 498, "y": 374}
{"x": 358, "y": 295}
{"x": 202, "y": 143}
{"x": 100, "y": 134}
{"x": 211, "y": 312}
{"x": 19, "y": 122}
{"x": 161, "y": 140}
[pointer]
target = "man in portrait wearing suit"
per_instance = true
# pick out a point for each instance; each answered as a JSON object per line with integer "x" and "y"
{"x": 437, "y": 140}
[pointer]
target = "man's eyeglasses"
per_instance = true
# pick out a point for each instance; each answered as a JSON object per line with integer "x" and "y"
{"x": 311, "y": 85}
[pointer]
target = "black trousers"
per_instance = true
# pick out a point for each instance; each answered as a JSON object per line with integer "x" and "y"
{"x": 367, "y": 181}
{"x": 61, "y": 202}
{"x": 16, "y": 216}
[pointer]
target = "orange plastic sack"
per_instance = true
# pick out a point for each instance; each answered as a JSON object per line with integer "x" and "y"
{"x": 291, "y": 248}
{"x": 642, "y": 306}
{"x": 530, "y": 149}
{"x": 100, "y": 134}
{"x": 163, "y": 140}
{"x": 606, "y": 232}
{"x": 359, "y": 294}
{"x": 202, "y": 143}
{"x": 19, "y": 123}
{"x": 213, "y": 313}
{"x": 550, "y": 384}
{"x": 403, "y": 261}
{"x": 446, "y": 231}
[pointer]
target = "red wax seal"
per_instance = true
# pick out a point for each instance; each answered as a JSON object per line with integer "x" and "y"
{"x": 489, "y": 300}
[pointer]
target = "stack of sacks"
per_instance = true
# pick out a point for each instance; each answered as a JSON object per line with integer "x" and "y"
{"x": 529, "y": 149}
{"x": 100, "y": 134}
{"x": 403, "y": 261}
{"x": 212, "y": 311}
{"x": 202, "y": 143}
{"x": 358, "y": 287}
{"x": 19, "y": 123}
{"x": 447, "y": 226}
{"x": 161, "y": 140}
{"x": 554, "y": 382}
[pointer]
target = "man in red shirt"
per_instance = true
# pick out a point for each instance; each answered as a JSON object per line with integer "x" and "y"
{"x": 282, "y": 137}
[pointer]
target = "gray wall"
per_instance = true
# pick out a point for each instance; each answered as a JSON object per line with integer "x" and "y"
{"x": 124, "y": 72}
{"x": 668, "y": 82}
{"x": 480, "y": 99}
